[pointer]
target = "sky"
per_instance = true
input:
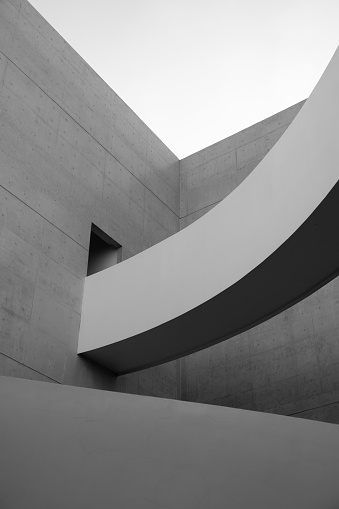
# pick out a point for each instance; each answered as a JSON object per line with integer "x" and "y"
{"x": 197, "y": 71}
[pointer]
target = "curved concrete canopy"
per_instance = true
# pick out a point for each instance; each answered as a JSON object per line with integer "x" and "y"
{"x": 269, "y": 244}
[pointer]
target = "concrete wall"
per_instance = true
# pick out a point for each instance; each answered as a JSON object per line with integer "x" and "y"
{"x": 209, "y": 175}
{"x": 73, "y": 447}
{"x": 71, "y": 153}
{"x": 290, "y": 364}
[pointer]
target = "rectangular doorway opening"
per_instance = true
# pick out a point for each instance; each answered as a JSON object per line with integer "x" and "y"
{"x": 103, "y": 251}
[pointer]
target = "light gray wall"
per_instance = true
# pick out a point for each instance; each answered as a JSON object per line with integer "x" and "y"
{"x": 79, "y": 448}
{"x": 71, "y": 153}
{"x": 290, "y": 364}
{"x": 206, "y": 177}
{"x": 209, "y": 175}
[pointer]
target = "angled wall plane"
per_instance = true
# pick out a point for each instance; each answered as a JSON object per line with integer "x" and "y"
{"x": 269, "y": 244}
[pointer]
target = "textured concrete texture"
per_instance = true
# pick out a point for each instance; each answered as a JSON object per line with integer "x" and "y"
{"x": 209, "y": 175}
{"x": 79, "y": 448}
{"x": 71, "y": 154}
{"x": 288, "y": 365}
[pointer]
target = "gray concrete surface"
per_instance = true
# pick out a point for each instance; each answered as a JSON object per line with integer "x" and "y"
{"x": 205, "y": 179}
{"x": 79, "y": 448}
{"x": 209, "y": 175}
{"x": 288, "y": 365}
{"x": 72, "y": 153}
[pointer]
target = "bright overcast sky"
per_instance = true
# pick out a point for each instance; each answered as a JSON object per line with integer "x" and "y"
{"x": 197, "y": 71}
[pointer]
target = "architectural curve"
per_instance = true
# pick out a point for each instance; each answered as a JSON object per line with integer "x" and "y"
{"x": 269, "y": 244}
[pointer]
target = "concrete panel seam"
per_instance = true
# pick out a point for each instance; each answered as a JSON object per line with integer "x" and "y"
{"x": 202, "y": 208}
{"x": 14, "y": 4}
{"x": 39, "y": 287}
{"x": 3, "y": 84}
{"x": 16, "y": 21}
{"x": 89, "y": 134}
{"x": 258, "y": 387}
{"x": 36, "y": 212}
{"x": 268, "y": 133}
{"x": 232, "y": 150}
{"x": 28, "y": 367}
{"x": 313, "y": 408}
{"x": 236, "y": 159}
{"x": 96, "y": 74}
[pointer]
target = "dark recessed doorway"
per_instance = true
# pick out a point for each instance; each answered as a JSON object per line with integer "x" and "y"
{"x": 103, "y": 251}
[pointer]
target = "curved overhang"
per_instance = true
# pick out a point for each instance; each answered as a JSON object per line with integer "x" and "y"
{"x": 269, "y": 244}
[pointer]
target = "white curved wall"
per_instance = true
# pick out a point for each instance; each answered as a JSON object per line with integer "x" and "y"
{"x": 211, "y": 255}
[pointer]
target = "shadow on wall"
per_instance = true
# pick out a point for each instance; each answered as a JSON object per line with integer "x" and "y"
{"x": 104, "y": 252}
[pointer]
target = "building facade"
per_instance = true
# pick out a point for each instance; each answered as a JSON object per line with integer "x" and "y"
{"x": 75, "y": 159}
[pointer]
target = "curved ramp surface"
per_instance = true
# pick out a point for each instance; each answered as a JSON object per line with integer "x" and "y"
{"x": 270, "y": 243}
{"x": 69, "y": 447}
